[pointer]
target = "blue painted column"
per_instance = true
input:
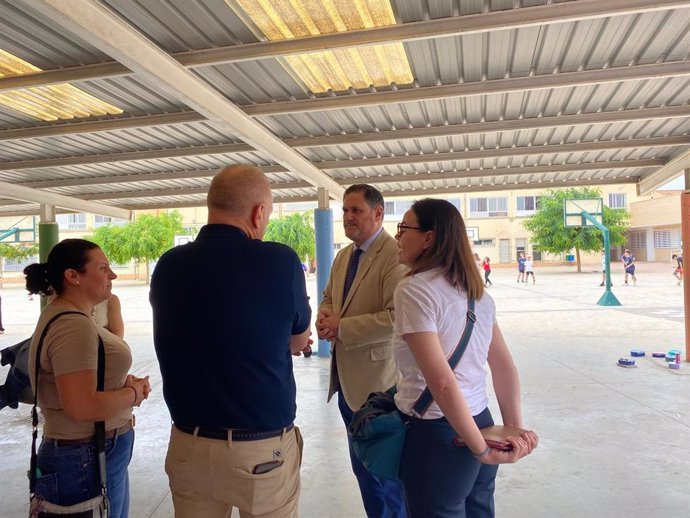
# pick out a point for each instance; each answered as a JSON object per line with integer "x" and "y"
{"x": 323, "y": 223}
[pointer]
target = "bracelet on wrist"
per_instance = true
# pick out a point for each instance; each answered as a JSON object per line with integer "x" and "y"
{"x": 135, "y": 394}
{"x": 482, "y": 454}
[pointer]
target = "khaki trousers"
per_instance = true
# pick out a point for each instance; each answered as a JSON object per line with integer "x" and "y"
{"x": 208, "y": 477}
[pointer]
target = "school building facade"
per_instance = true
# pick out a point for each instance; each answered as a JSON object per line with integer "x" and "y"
{"x": 494, "y": 221}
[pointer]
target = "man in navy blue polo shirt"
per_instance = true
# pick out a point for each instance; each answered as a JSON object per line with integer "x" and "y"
{"x": 229, "y": 311}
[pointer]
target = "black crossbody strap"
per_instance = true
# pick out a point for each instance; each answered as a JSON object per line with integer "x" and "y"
{"x": 425, "y": 399}
{"x": 99, "y": 426}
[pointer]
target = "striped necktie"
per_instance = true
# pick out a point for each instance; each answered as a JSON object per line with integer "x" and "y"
{"x": 352, "y": 271}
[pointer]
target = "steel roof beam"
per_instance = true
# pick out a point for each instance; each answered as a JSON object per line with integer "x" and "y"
{"x": 19, "y": 192}
{"x": 508, "y": 152}
{"x": 509, "y": 19}
{"x": 471, "y": 128}
{"x": 126, "y": 157}
{"x": 548, "y": 184}
{"x": 155, "y": 154}
{"x": 402, "y": 178}
{"x": 681, "y": 140}
{"x": 208, "y": 173}
{"x": 142, "y": 177}
{"x": 478, "y": 128}
{"x": 589, "y": 182}
{"x": 93, "y": 126}
{"x": 93, "y": 22}
{"x": 506, "y": 171}
{"x": 474, "y": 89}
{"x": 661, "y": 176}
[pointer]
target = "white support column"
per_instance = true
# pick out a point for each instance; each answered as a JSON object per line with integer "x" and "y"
{"x": 651, "y": 255}
{"x": 47, "y": 213}
{"x": 323, "y": 198}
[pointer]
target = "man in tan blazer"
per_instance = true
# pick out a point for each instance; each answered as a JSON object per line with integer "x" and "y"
{"x": 356, "y": 315}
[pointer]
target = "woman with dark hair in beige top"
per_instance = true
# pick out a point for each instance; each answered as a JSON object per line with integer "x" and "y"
{"x": 78, "y": 274}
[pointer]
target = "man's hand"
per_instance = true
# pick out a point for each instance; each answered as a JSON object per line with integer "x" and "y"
{"x": 327, "y": 325}
{"x": 307, "y": 349}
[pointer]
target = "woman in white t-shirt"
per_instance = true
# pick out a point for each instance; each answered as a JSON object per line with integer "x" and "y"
{"x": 108, "y": 314}
{"x": 440, "y": 479}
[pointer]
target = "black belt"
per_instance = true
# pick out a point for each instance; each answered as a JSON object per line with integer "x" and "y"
{"x": 235, "y": 435}
{"x": 115, "y": 432}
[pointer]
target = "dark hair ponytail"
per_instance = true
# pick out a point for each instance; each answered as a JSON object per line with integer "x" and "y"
{"x": 37, "y": 279}
{"x": 49, "y": 277}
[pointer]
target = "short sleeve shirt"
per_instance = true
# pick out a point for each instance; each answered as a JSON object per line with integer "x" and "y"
{"x": 628, "y": 261}
{"x": 426, "y": 302}
{"x": 71, "y": 345}
{"x": 224, "y": 310}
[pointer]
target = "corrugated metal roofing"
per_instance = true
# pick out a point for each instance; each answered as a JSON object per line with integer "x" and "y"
{"x": 546, "y": 50}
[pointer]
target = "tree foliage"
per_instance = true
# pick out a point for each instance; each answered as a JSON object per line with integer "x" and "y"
{"x": 17, "y": 251}
{"x": 295, "y": 231}
{"x": 549, "y": 233}
{"x": 144, "y": 239}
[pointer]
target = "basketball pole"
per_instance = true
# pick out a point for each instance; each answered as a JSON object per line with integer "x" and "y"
{"x": 608, "y": 298}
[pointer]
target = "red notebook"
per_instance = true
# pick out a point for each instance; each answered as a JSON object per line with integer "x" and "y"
{"x": 495, "y": 436}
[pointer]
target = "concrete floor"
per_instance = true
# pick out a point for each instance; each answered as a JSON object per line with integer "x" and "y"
{"x": 614, "y": 442}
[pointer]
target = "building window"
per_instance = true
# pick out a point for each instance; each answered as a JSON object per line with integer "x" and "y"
{"x": 527, "y": 205}
{"x": 488, "y": 207}
{"x": 637, "y": 239}
{"x": 300, "y": 207}
{"x": 71, "y": 221}
{"x": 397, "y": 208}
{"x": 483, "y": 242}
{"x": 667, "y": 239}
{"x": 99, "y": 221}
{"x": 18, "y": 265}
{"x": 618, "y": 200}
{"x": 400, "y": 207}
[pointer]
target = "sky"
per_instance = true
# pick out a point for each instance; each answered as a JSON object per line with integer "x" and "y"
{"x": 677, "y": 184}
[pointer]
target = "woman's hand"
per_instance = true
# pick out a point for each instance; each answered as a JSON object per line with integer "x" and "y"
{"x": 522, "y": 446}
{"x": 141, "y": 387}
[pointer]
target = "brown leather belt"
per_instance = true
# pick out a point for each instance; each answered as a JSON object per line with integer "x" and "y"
{"x": 115, "y": 432}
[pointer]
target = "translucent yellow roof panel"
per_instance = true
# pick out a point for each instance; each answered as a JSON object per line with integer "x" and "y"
{"x": 49, "y": 103}
{"x": 378, "y": 65}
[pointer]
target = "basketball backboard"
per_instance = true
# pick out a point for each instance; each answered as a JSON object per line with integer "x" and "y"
{"x": 573, "y": 209}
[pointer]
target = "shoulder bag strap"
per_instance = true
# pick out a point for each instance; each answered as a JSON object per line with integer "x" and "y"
{"x": 425, "y": 399}
{"x": 34, "y": 412}
{"x": 100, "y": 425}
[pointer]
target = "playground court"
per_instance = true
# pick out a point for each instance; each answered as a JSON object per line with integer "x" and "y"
{"x": 615, "y": 442}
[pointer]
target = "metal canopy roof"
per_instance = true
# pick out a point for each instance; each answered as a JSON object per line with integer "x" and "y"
{"x": 508, "y": 94}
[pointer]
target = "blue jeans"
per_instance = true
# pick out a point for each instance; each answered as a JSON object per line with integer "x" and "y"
{"x": 442, "y": 480}
{"x": 382, "y": 498}
{"x": 69, "y": 474}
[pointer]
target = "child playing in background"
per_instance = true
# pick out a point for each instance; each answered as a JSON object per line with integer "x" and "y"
{"x": 521, "y": 268}
{"x": 529, "y": 269}
{"x": 678, "y": 272}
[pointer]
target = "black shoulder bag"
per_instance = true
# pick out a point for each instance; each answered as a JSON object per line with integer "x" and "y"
{"x": 378, "y": 431}
{"x": 94, "y": 507}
